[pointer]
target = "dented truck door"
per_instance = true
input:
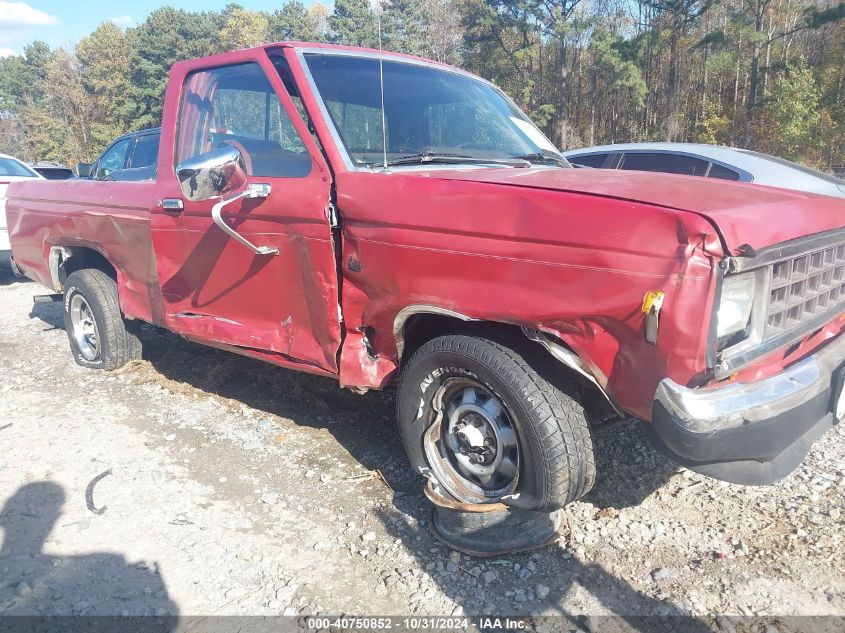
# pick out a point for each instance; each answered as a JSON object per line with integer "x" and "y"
{"x": 281, "y": 300}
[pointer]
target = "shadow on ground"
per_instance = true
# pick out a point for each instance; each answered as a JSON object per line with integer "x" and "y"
{"x": 363, "y": 424}
{"x": 34, "y": 582}
{"x": 618, "y": 447}
{"x": 7, "y": 278}
{"x": 365, "y": 427}
{"x": 571, "y": 581}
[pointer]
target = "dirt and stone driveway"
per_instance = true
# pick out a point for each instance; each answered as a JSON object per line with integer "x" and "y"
{"x": 227, "y": 486}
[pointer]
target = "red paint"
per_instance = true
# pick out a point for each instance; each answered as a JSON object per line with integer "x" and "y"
{"x": 285, "y": 305}
{"x": 568, "y": 252}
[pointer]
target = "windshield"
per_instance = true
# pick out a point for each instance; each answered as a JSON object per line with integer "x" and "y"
{"x": 430, "y": 114}
{"x": 12, "y": 167}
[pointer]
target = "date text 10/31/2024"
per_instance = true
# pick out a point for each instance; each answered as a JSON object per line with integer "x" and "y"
{"x": 416, "y": 623}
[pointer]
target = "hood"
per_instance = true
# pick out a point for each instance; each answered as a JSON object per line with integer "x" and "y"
{"x": 744, "y": 214}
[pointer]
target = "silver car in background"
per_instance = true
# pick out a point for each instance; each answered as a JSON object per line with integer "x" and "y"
{"x": 11, "y": 169}
{"x": 708, "y": 161}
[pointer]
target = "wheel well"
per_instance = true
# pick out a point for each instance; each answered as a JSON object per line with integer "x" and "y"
{"x": 78, "y": 257}
{"x": 421, "y": 328}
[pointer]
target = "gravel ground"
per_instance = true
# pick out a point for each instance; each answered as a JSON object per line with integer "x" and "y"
{"x": 232, "y": 487}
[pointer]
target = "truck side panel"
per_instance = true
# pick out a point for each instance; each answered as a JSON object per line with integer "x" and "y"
{"x": 572, "y": 265}
{"x": 103, "y": 216}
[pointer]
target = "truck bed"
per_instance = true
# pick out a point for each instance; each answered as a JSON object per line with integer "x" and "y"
{"x": 102, "y": 216}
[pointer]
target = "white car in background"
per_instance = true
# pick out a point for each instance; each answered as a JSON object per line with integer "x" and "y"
{"x": 708, "y": 161}
{"x": 11, "y": 169}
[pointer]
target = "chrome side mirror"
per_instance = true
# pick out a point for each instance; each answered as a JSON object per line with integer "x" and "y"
{"x": 212, "y": 174}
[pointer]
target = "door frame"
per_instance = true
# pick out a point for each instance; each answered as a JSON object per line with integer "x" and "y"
{"x": 166, "y": 176}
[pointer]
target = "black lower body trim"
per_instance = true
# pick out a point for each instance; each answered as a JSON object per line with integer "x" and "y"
{"x": 758, "y": 453}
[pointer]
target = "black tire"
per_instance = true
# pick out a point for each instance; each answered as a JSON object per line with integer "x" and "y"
{"x": 116, "y": 344}
{"x": 556, "y": 461}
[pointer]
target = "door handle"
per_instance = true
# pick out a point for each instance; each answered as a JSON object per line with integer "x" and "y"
{"x": 171, "y": 205}
{"x": 252, "y": 191}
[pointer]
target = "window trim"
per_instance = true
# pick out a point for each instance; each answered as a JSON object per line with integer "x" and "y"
{"x": 704, "y": 162}
{"x": 607, "y": 159}
{"x": 349, "y": 164}
{"x": 119, "y": 139}
{"x": 269, "y": 77}
{"x": 744, "y": 176}
{"x": 137, "y": 138}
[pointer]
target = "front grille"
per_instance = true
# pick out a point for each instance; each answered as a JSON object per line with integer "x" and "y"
{"x": 804, "y": 287}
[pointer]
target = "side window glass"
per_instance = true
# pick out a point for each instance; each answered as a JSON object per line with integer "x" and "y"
{"x": 114, "y": 159}
{"x": 723, "y": 173}
{"x": 146, "y": 152}
{"x": 237, "y": 106}
{"x": 590, "y": 160}
{"x": 667, "y": 163}
{"x": 286, "y": 78}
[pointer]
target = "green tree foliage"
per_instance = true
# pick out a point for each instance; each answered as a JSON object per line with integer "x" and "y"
{"x": 674, "y": 18}
{"x": 406, "y": 25}
{"x": 353, "y": 23}
{"x": 244, "y": 28}
{"x": 295, "y": 22}
{"x": 167, "y": 36}
{"x": 763, "y": 74}
{"x": 445, "y": 34}
{"x": 59, "y": 123}
{"x": 792, "y": 115}
{"x": 509, "y": 52}
{"x": 616, "y": 78}
{"x": 22, "y": 77}
{"x": 104, "y": 58}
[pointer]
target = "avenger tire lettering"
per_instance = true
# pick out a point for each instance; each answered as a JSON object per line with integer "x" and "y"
{"x": 477, "y": 415}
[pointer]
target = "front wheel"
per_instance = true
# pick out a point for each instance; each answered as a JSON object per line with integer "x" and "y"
{"x": 476, "y": 416}
{"x": 97, "y": 332}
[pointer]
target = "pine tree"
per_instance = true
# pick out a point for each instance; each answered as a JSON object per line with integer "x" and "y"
{"x": 353, "y": 23}
{"x": 104, "y": 58}
{"x": 168, "y": 35}
{"x": 406, "y": 26}
{"x": 294, "y": 22}
{"x": 244, "y": 29}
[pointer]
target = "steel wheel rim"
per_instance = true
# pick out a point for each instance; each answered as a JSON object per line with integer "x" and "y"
{"x": 472, "y": 446}
{"x": 85, "y": 331}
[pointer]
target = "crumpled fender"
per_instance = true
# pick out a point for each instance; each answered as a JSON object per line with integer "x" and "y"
{"x": 574, "y": 266}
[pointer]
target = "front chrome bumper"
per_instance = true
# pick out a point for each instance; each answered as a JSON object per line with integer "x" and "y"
{"x": 761, "y": 430}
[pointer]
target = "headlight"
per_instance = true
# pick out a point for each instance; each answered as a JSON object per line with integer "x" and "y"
{"x": 735, "y": 305}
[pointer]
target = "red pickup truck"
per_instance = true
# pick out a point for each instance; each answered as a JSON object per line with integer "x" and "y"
{"x": 513, "y": 299}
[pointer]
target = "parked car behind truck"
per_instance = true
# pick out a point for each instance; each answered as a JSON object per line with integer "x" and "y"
{"x": 132, "y": 156}
{"x": 709, "y": 161}
{"x": 513, "y": 300}
{"x": 11, "y": 170}
{"x": 51, "y": 170}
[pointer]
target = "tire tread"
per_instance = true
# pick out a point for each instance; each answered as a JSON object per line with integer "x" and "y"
{"x": 119, "y": 344}
{"x": 557, "y": 421}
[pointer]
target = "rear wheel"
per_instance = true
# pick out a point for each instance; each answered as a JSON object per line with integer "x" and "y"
{"x": 98, "y": 334}
{"x": 476, "y": 415}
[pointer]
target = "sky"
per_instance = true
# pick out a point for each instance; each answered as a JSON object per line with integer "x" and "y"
{"x": 64, "y": 22}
